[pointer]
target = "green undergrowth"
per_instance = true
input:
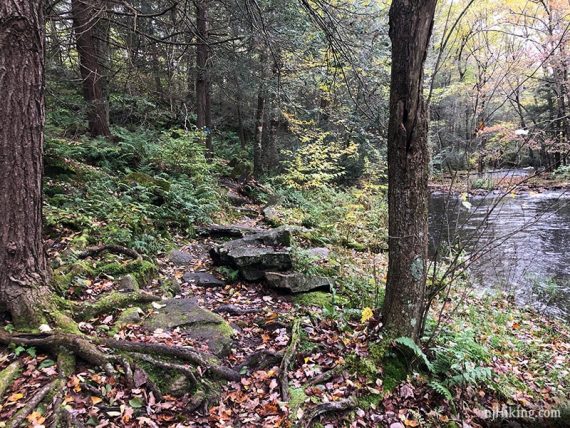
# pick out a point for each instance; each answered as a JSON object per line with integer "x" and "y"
{"x": 138, "y": 191}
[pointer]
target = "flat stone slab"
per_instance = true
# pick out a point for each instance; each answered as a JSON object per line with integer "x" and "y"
{"x": 193, "y": 321}
{"x": 256, "y": 254}
{"x": 297, "y": 282}
{"x": 180, "y": 258}
{"x": 203, "y": 279}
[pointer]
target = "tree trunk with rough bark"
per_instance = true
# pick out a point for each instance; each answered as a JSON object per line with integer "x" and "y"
{"x": 91, "y": 33}
{"x": 411, "y": 23}
{"x": 24, "y": 272}
{"x": 203, "y": 96}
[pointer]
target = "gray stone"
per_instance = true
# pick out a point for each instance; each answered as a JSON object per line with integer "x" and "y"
{"x": 320, "y": 253}
{"x": 271, "y": 215}
{"x": 193, "y": 321}
{"x": 180, "y": 258}
{"x": 128, "y": 284}
{"x": 297, "y": 282}
{"x": 129, "y": 316}
{"x": 255, "y": 254}
{"x": 202, "y": 279}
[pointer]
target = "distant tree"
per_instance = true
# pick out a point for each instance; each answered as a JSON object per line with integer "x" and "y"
{"x": 411, "y": 23}
{"x": 91, "y": 34}
{"x": 24, "y": 273}
{"x": 203, "y": 65}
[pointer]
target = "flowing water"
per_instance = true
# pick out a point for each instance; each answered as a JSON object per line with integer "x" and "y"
{"x": 518, "y": 242}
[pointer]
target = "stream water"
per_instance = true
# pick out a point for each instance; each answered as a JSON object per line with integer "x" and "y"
{"x": 519, "y": 243}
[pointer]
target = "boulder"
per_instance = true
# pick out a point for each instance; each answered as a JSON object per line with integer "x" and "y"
{"x": 255, "y": 254}
{"x": 180, "y": 258}
{"x": 202, "y": 279}
{"x": 194, "y": 322}
{"x": 236, "y": 199}
{"x": 295, "y": 282}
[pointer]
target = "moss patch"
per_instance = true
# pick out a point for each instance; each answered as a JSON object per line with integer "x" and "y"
{"x": 297, "y": 397}
{"x": 317, "y": 298}
{"x": 395, "y": 372}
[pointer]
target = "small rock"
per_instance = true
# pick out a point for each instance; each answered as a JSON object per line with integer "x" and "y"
{"x": 297, "y": 282}
{"x": 320, "y": 253}
{"x": 271, "y": 215}
{"x": 128, "y": 284}
{"x": 180, "y": 258}
{"x": 397, "y": 425}
{"x": 230, "y": 231}
{"x": 202, "y": 279}
{"x": 129, "y": 316}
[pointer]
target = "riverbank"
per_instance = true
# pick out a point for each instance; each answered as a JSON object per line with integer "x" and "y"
{"x": 479, "y": 185}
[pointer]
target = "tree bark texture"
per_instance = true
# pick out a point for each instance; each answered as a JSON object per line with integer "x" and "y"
{"x": 91, "y": 33}
{"x": 411, "y": 23}
{"x": 203, "y": 84}
{"x": 24, "y": 272}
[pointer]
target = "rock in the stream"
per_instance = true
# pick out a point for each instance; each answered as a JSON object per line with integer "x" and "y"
{"x": 229, "y": 231}
{"x": 295, "y": 282}
{"x": 193, "y": 321}
{"x": 180, "y": 258}
{"x": 202, "y": 279}
{"x": 256, "y": 254}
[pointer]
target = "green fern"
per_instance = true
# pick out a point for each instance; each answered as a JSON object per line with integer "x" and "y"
{"x": 412, "y": 346}
{"x": 441, "y": 389}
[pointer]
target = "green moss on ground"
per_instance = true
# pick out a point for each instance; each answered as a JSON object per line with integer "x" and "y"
{"x": 297, "y": 398}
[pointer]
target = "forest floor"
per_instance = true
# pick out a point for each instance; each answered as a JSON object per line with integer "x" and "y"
{"x": 488, "y": 353}
{"x": 341, "y": 372}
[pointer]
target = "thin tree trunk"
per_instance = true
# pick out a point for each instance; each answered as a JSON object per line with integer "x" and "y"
{"x": 91, "y": 38}
{"x": 24, "y": 272}
{"x": 258, "y": 136}
{"x": 203, "y": 102}
{"x": 411, "y": 24}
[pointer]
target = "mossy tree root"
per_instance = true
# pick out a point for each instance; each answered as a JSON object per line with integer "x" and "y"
{"x": 87, "y": 348}
{"x": 111, "y": 302}
{"x": 324, "y": 408}
{"x": 7, "y": 376}
{"x": 288, "y": 357}
{"x": 45, "y": 391}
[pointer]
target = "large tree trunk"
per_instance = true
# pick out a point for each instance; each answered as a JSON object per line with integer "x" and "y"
{"x": 91, "y": 34}
{"x": 411, "y": 24}
{"x": 203, "y": 96}
{"x": 24, "y": 272}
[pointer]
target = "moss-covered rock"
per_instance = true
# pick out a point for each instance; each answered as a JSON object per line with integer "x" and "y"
{"x": 143, "y": 271}
{"x": 129, "y": 316}
{"x": 317, "y": 298}
{"x": 195, "y": 322}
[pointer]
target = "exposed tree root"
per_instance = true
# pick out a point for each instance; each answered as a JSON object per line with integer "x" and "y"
{"x": 110, "y": 302}
{"x": 116, "y": 249}
{"x": 261, "y": 360}
{"x": 323, "y": 408}
{"x": 206, "y": 361}
{"x": 7, "y": 376}
{"x": 42, "y": 393}
{"x": 133, "y": 378}
{"x": 287, "y": 357}
{"x": 171, "y": 366}
{"x": 326, "y": 376}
